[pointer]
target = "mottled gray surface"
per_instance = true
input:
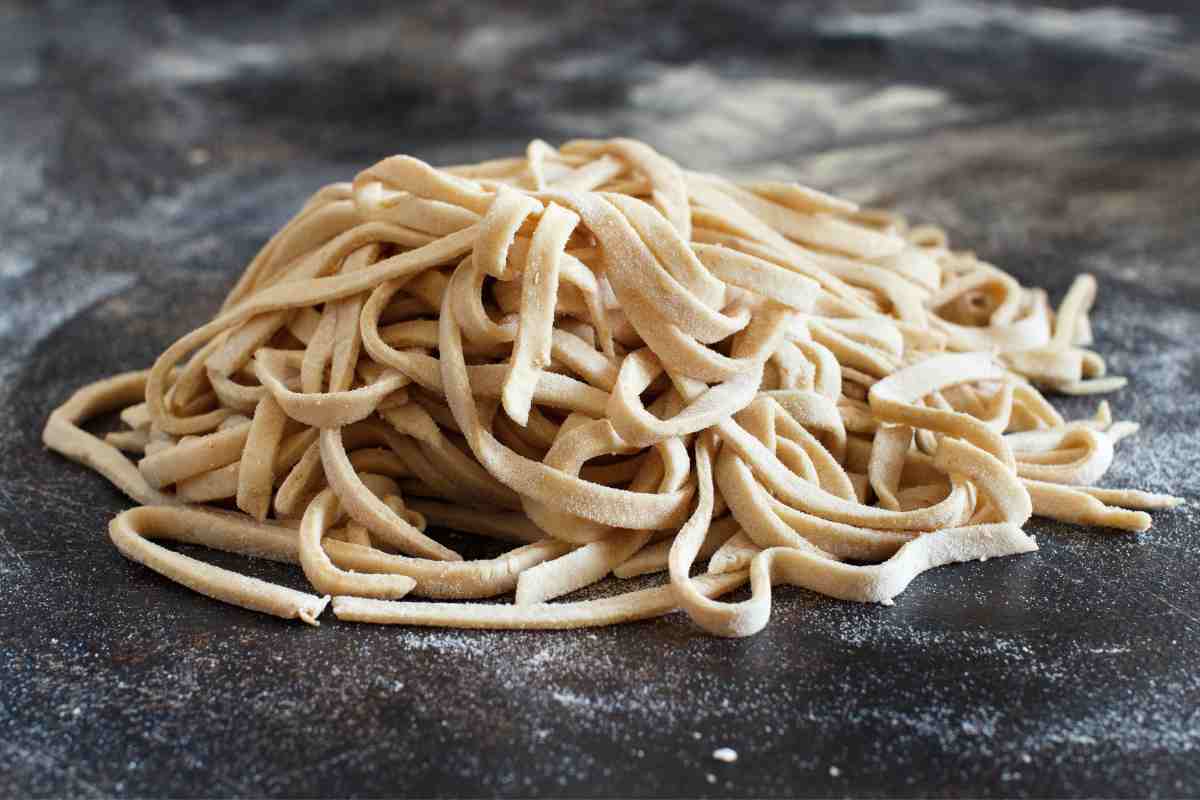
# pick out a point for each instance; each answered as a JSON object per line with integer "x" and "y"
{"x": 145, "y": 151}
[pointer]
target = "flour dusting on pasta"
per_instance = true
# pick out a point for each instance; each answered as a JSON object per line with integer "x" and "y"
{"x": 621, "y": 367}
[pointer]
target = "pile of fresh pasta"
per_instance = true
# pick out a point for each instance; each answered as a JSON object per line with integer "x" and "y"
{"x": 620, "y": 367}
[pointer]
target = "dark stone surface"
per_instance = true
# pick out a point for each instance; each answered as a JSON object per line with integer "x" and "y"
{"x": 146, "y": 149}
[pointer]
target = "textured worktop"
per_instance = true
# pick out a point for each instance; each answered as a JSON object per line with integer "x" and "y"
{"x": 146, "y": 151}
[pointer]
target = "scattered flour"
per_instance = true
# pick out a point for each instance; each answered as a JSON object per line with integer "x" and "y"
{"x": 951, "y": 24}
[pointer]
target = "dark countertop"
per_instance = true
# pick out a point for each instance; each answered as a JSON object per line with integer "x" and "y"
{"x": 146, "y": 149}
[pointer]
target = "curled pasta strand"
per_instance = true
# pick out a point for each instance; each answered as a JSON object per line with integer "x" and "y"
{"x": 535, "y": 334}
{"x": 131, "y": 531}
{"x": 367, "y": 509}
{"x": 320, "y": 569}
{"x": 64, "y": 434}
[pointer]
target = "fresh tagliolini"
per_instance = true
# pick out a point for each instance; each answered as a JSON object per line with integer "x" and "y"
{"x": 619, "y": 366}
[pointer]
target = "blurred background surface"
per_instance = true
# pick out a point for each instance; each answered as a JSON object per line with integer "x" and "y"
{"x": 147, "y": 149}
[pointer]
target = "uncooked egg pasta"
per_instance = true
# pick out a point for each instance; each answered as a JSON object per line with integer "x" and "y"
{"x": 620, "y": 367}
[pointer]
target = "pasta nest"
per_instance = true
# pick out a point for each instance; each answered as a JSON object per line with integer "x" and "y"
{"x": 620, "y": 366}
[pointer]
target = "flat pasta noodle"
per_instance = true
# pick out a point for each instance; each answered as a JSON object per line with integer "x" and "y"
{"x": 618, "y": 367}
